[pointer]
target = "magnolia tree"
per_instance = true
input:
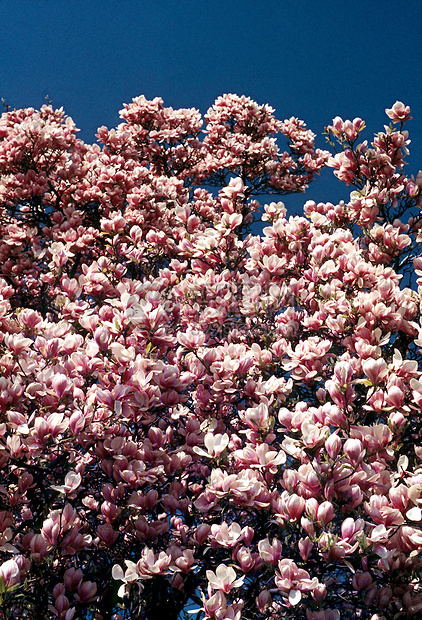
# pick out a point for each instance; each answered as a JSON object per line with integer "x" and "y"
{"x": 197, "y": 421}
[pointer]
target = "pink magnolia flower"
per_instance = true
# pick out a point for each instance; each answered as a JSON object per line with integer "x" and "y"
{"x": 353, "y": 448}
{"x": 216, "y": 603}
{"x": 151, "y": 563}
{"x": 215, "y": 444}
{"x": 224, "y": 579}
{"x": 270, "y": 552}
{"x": 86, "y": 592}
{"x": 39, "y": 548}
{"x": 9, "y": 572}
{"x": 71, "y": 482}
{"x": 375, "y": 370}
{"x": 292, "y": 580}
{"x": 259, "y": 457}
{"x": 333, "y": 445}
{"x": 399, "y": 112}
{"x": 129, "y": 576}
{"x": 227, "y": 535}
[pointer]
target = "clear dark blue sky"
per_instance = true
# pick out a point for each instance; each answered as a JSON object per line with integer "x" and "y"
{"x": 307, "y": 58}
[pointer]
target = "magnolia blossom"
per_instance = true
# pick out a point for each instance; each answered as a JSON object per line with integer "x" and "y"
{"x": 215, "y": 444}
{"x": 71, "y": 483}
{"x": 227, "y": 535}
{"x": 129, "y": 576}
{"x": 399, "y": 112}
{"x": 224, "y": 578}
{"x": 9, "y": 572}
{"x": 293, "y": 580}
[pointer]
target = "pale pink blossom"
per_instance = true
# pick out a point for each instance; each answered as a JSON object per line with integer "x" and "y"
{"x": 130, "y": 575}
{"x": 292, "y": 581}
{"x": 71, "y": 483}
{"x": 270, "y": 552}
{"x": 9, "y": 572}
{"x": 227, "y": 535}
{"x": 224, "y": 579}
{"x": 399, "y": 112}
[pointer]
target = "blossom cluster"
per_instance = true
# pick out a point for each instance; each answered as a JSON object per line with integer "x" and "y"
{"x": 194, "y": 415}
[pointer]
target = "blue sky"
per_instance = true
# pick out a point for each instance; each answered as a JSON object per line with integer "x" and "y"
{"x": 306, "y": 58}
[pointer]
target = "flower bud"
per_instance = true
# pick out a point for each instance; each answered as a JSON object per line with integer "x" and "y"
{"x": 295, "y": 505}
{"x": 354, "y": 450}
{"x": 361, "y": 581}
{"x": 305, "y": 547}
{"x": 263, "y": 600}
{"x": 325, "y": 513}
{"x": 319, "y": 593}
{"x": 333, "y": 445}
{"x": 202, "y": 533}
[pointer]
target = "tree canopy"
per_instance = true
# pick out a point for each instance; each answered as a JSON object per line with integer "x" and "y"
{"x": 198, "y": 420}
